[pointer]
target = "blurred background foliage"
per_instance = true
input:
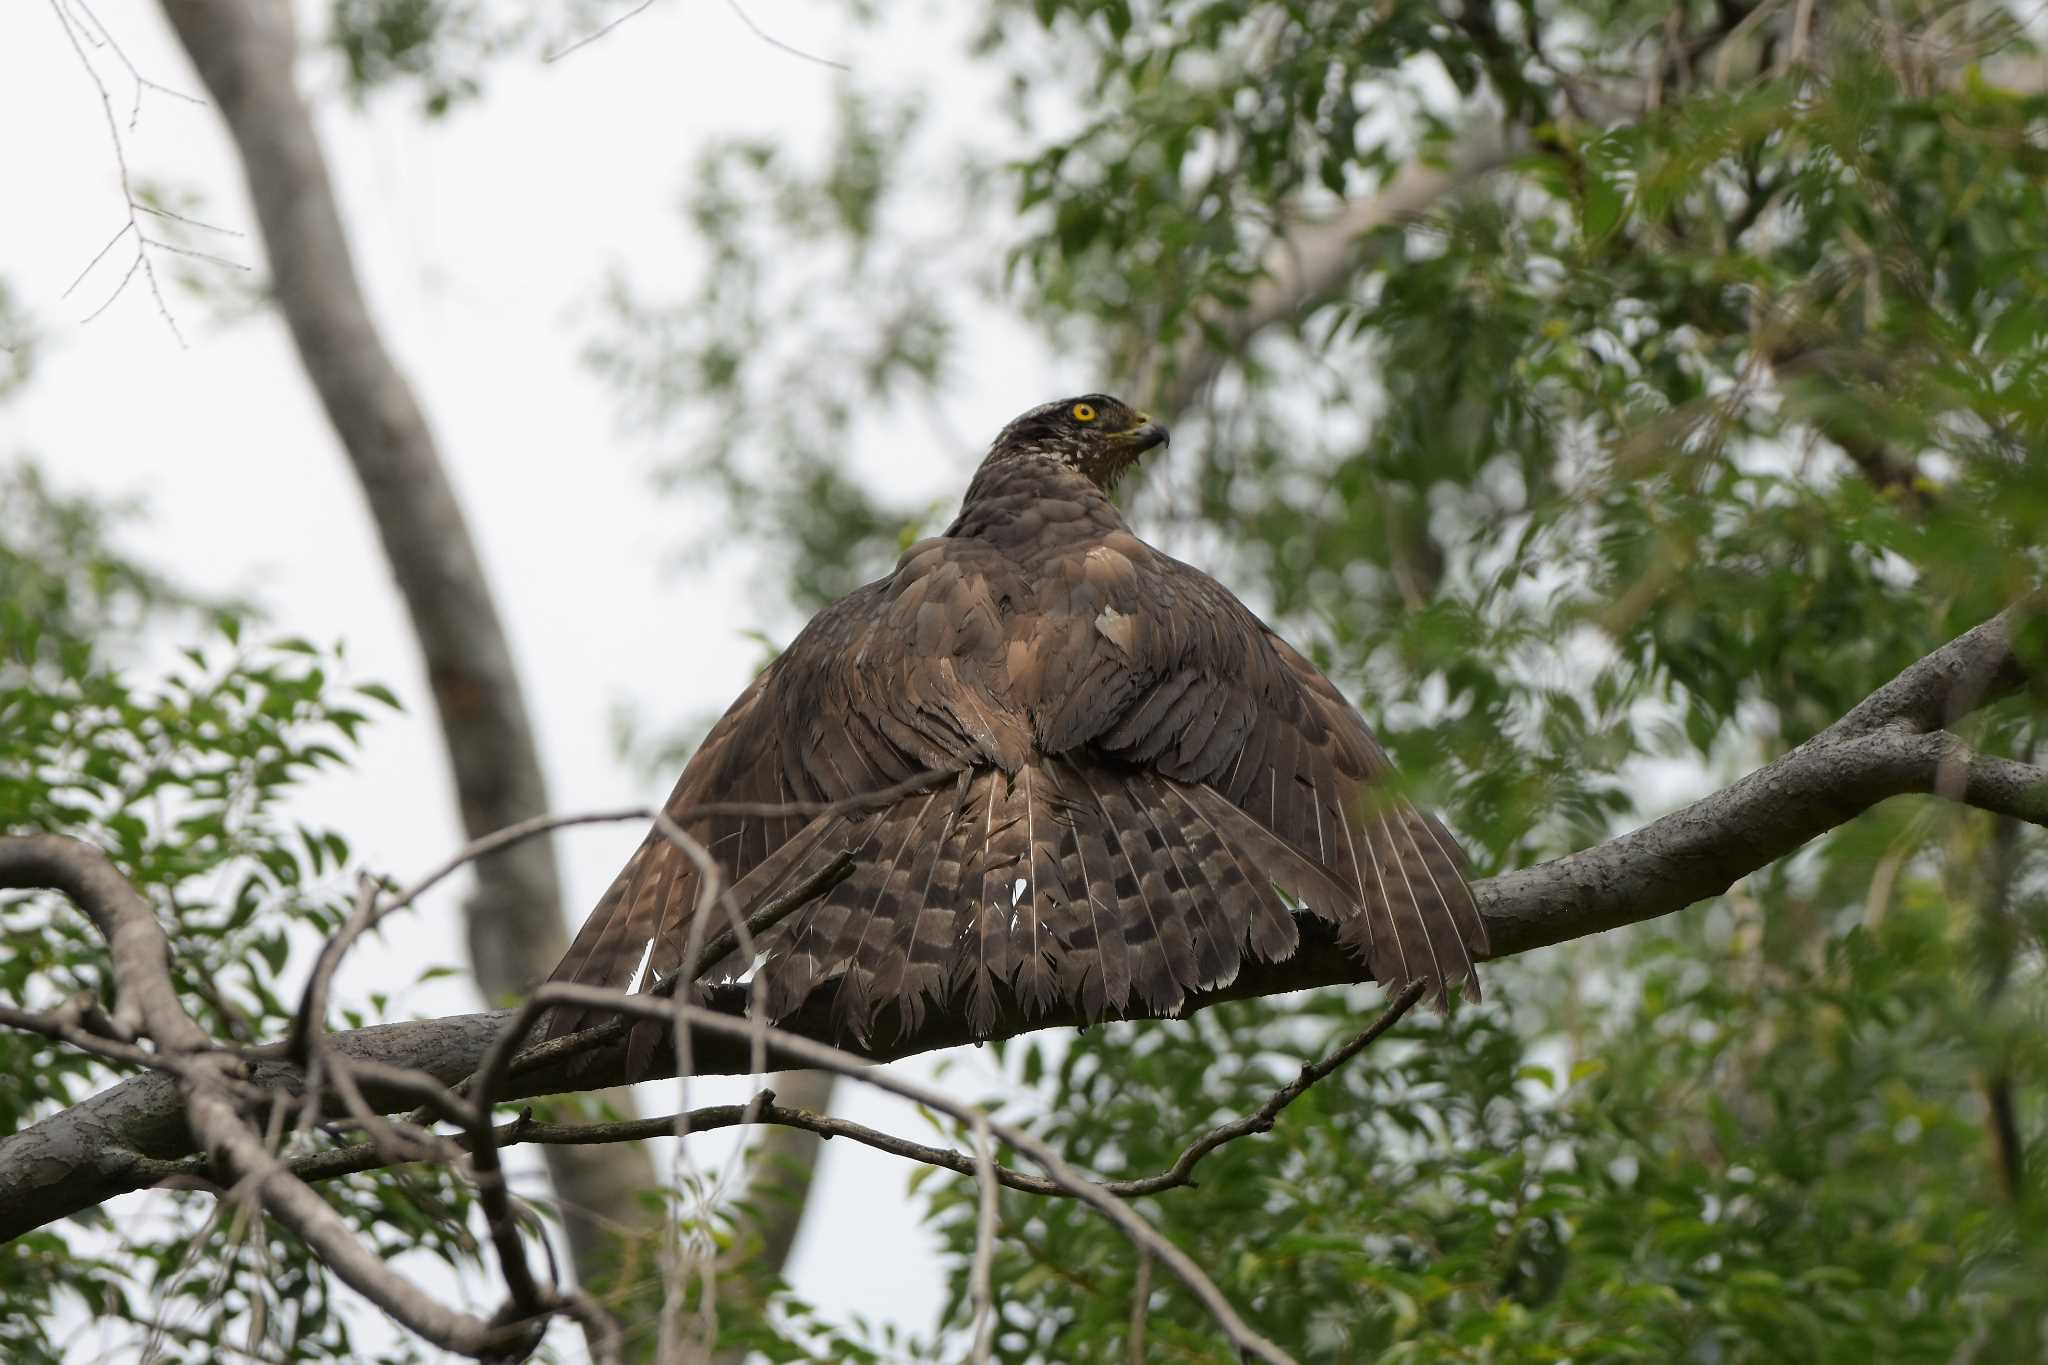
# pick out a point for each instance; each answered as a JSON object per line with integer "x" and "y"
{"x": 184, "y": 772}
{"x": 1703, "y": 392}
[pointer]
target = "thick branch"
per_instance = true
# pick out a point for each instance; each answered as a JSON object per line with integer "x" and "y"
{"x": 206, "y": 1080}
{"x": 1887, "y": 746}
{"x": 135, "y": 941}
{"x": 806, "y": 1120}
{"x": 245, "y": 54}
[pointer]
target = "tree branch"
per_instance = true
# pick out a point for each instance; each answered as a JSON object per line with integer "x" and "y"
{"x": 1890, "y": 744}
{"x": 207, "y": 1081}
{"x": 135, "y": 941}
{"x": 1311, "y": 262}
{"x": 801, "y": 1118}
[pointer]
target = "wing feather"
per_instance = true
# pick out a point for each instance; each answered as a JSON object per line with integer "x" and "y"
{"x": 1143, "y": 770}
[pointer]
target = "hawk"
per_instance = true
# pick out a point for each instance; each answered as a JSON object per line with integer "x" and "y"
{"x": 1131, "y": 781}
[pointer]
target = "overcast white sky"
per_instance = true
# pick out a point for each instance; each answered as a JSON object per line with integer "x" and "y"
{"x": 481, "y": 240}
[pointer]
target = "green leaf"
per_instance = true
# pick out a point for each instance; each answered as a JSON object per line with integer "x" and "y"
{"x": 380, "y": 693}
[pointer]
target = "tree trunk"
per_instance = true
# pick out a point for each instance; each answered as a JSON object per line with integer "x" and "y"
{"x": 244, "y": 50}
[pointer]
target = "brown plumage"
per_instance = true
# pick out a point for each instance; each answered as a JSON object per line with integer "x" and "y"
{"x": 1133, "y": 765}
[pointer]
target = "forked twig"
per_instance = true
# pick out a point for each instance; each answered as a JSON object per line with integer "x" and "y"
{"x": 1043, "y": 1155}
{"x": 134, "y": 207}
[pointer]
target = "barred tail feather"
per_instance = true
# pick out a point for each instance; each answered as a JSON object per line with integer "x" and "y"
{"x": 807, "y": 955}
{"x": 1044, "y": 928}
{"x": 891, "y": 975}
{"x": 1446, "y": 864}
{"x": 1258, "y": 918}
{"x": 985, "y": 951}
{"x": 1442, "y": 892}
{"x": 1088, "y": 869}
{"x": 1075, "y": 878}
{"x": 870, "y": 953}
{"x": 930, "y": 930}
{"x": 1163, "y": 964}
{"x": 1216, "y": 948}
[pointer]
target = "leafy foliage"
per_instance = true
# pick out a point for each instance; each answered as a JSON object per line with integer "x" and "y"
{"x": 1622, "y": 469}
{"x": 185, "y": 780}
{"x": 438, "y": 46}
{"x": 1700, "y": 1174}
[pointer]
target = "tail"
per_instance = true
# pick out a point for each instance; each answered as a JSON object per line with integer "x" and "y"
{"x": 1080, "y": 878}
{"x": 1070, "y": 879}
{"x": 1076, "y": 878}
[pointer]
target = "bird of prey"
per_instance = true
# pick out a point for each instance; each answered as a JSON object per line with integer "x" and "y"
{"x": 1137, "y": 782}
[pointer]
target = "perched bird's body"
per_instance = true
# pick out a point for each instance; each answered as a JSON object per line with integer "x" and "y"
{"x": 1130, "y": 763}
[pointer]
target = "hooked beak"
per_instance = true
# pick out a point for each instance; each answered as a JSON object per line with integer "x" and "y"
{"x": 1145, "y": 435}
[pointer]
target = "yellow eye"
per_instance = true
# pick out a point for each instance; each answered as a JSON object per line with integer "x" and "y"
{"x": 1083, "y": 412}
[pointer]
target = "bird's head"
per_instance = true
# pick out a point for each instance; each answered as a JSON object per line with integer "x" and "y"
{"x": 1099, "y": 435}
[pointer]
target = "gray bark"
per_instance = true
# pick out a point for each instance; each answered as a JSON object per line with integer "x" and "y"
{"x": 244, "y": 51}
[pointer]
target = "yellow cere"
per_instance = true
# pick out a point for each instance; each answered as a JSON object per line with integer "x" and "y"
{"x": 1083, "y": 413}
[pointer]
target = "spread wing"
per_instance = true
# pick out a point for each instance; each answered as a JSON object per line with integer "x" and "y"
{"x": 1136, "y": 765}
{"x": 1153, "y": 662}
{"x": 891, "y": 681}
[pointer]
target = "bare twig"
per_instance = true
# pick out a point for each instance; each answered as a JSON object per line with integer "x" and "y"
{"x": 1997, "y": 928}
{"x": 97, "y": 257}
{"x": 206, "y": 256}
{"x": 156, "y": 211}
{"x": 600, "y": 1329}
{"x": 816, "y": 1054}
{"x": 142, "y": 83}
{"x": 77, "y": 35}
{"x": 309, "y": 1025}
{"x": 982, "y": 1275}
{"x": 495, "y": 1197}
{"x": 604, "y": 30}
{"x": 587, "y": 39}
{"x": 777, "y": 43}
{"x": 688, "y": 1247}
{"x": 66, "y": 1024}
{"x": 413, "y": 1142}
{"x": 1141, "y": 1312}
{"x": 108, "y": 302}
{"x": 1261, "y": 1120}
